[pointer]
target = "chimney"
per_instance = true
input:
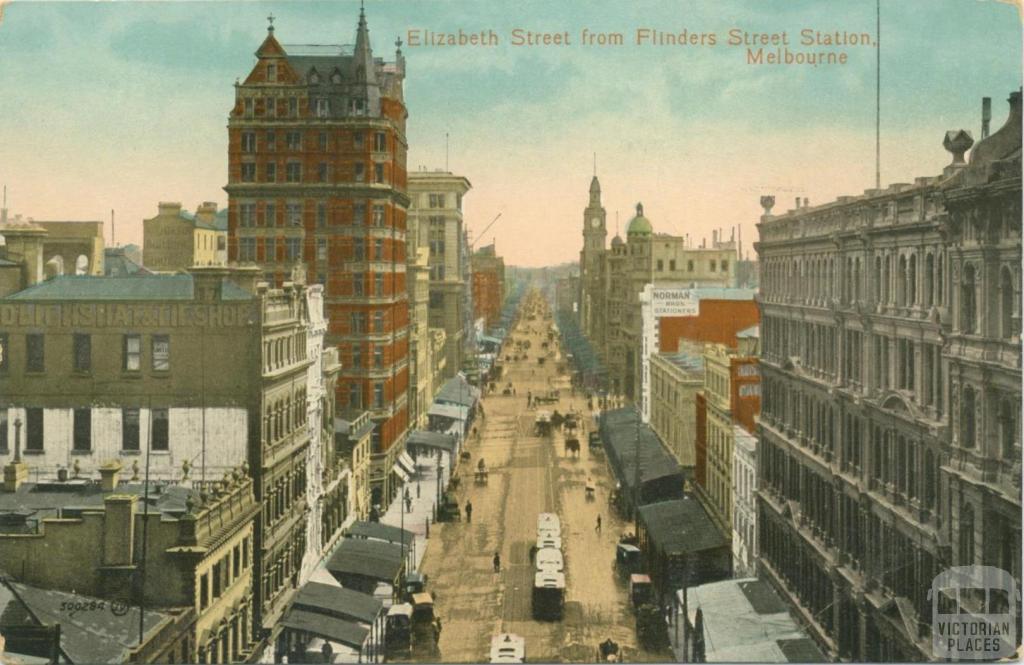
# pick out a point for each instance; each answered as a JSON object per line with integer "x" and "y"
{"x": 807, "y": 202}
{"x": 986, "y": 116}
{"x": 110, "y": 474}
{"x": 797, "y": 203}
{"x": 3, "y": 210}
{"x": 118, "y": 529}
{"x": 16, "y": 472}
{"x": 739, "y": 242}
{"x": 169, "y": 208}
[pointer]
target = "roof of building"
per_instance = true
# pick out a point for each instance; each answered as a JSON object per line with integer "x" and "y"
{"x": 745, "y": 621}
{"x": 331, "y": 628}
{"x": 117, "y": 264}
{"x": 685, "y": 361}
{"x": 753, "y": 332}
{"x": 458, "y": 390}
{"x": 622, "y": 437}
{"x": 680, "y": 526}
{"x": 431, "y": 440}
{"x": 85, "y": 637}
{"x": 138, "y": 287}
{"x": 639, "y": 225}
{"x": 335, "y": 600}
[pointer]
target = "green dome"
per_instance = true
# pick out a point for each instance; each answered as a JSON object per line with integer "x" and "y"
{"x": 639, "y": 225}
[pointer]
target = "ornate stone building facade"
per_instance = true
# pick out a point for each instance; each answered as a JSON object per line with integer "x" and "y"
{"x": 889, "y": 433}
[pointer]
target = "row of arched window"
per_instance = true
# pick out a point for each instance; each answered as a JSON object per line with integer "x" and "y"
{"x": 284, "y": 415}
{"x": 283, "y": 351}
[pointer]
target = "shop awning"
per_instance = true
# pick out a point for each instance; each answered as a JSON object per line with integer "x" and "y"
{"x": 400, "y": 472}
{"x": 372, "y": 559}
{"x": 457, "y": 390}
{"x": 453, "y": 411}
{"x": 378, "y": 531}
{"x": 428, "y": 439}
{"x": 331, "y": 628}
{"x": 680, "y": 527}
{"x": 406, "y": 463}
{"x": 336, "y": 601}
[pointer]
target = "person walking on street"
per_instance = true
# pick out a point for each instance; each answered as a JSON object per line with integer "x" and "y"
{"x": 497, "y": 562}
{"x": 469, "y": 511}
{"x": 598, "y": 527}
{"x": 533, "y": 553}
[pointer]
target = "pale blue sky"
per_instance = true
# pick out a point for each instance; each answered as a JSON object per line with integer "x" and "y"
{"x": 123, "y": 104}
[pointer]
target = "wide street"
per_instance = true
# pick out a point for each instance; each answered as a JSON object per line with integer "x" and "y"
{"x": 529, "y": 475}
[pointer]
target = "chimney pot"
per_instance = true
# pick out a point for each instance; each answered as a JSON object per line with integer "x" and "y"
{"x": 110, "y": 474}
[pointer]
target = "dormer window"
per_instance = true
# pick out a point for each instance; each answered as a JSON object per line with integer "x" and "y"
{"x": 271, "y": 73}
{"x": 314, "y": 78}
{"x": 336, "y": 78}
{"x": 323, "y": 108}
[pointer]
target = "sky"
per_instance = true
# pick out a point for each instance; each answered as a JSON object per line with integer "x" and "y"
{"x": 120, "y": 105}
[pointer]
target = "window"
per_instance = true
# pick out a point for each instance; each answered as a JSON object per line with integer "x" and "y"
{"x": 358, "y": 249}
{"x": 271, "y": 73}
{"x": 271, "y": 141}
{"x": 357, "y": 140}
{"x": 355, "y": 396}
{"x": 246, "y": 214}
{"x": 161, "y": 353}
{"x": 294, "y": 213}
{"x": 83, "y": 352}
{"x": 132, "y": 353}
{"x": 437, "y": 200}
{"x": 378, "y": 395}
{"x": 711, "y": 265}
{"x": 725, "y": 266}
{"x": 380, "y": 142}
{"x": 323, "y": 171}
{"x": 161, "y": 433}
{"x": 378, "y": 249}
{"x": 321, "y": 279}
{"x": 35, "y": 358}
{"x": 4, "y": 341}
{"x": 82, "y": 430}
{"x": 359, "y": 213}
{"x": 323, "y": 108}
{"x": 249, "y": 172}
{"x": 294, "y": 173}
{"x": 360, "y": 172}
{"x": 672, "y": 264}
{"x": 249, "y": 106}
{"x": 378, "y": 215}
{"x": 129, "y": 429}
{"x": 3, "y": 430}
{"x": 293, "y": 140}
{"x": 967, "y": 427}
{"x": 357, "y": 284}
{"x": 293, "y": 106}
{"x": 247, "y": 249}
{"x": 358, "y": 322}
{"x": 357, "y": 357}
{"x": 270, "y": 214}
{"x": 378, "y": 284}
{"x": 321, "y": 215}
{"x": 378, "y": 321}
{"x": 321, "y": 249}
{"x": 689, "y": 266}
{"x": 378, "y": 356}
{"x": 271, "y": 171}
{"x": 293, "y": 248}
{"x": 968, "y": 308}
{"x": 323, "y": 141}
{"x": 218, "y": 578}
{"x": 34, "y": 429}
{"x": 248, "y": 141}
{"x": 204, "y": 591}
{"x": 661, "y": 265}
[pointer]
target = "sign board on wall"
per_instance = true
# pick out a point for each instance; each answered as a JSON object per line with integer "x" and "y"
{"x": 674, "y": 302}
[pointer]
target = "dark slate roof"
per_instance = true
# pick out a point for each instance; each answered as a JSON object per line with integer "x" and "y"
{"x": 681, "y": 526}
{"x": 431, "y": 440}
{"x": 149, "y": 287}
{"x": 331, "y": 628}
{"x": 336, "y": 601}
{"x": 88, "y": 636}
{"x": 368, "y": 558}
{"x": 117, "y": 264}
{"x": 762, "y": 598}
{"x": 378, "y": 531}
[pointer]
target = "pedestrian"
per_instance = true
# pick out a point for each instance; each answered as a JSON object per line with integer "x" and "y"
{"x": 469, "y": 511}
{"x": 598, "y": 527}
{"x": 533, "y": 553}
{"x": 408, "y": 504}
{"x": 497, "y": 562}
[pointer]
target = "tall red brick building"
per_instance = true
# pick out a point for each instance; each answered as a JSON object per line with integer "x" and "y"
{"x": 317, "y": 181}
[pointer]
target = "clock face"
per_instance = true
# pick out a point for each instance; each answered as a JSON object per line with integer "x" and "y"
{"x": 595, "y": 222}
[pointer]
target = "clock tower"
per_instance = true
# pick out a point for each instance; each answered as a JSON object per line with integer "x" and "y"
{"x": 591, "y": 298}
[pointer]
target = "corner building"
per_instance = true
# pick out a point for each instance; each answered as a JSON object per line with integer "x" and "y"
{"x": 317, "y": 182}
{"x": 889, "y": 436}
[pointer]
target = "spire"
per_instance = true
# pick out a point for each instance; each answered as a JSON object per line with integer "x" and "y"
{"x": 363, "y": 60}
